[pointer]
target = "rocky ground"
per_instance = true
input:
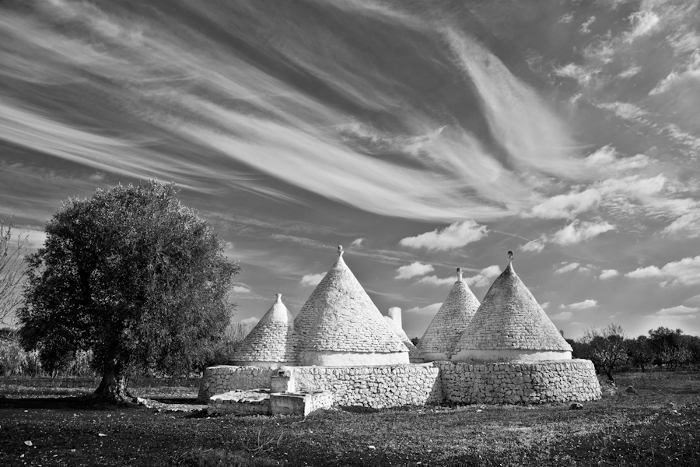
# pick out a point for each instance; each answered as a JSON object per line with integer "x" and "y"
{"x": 656, "y": 423}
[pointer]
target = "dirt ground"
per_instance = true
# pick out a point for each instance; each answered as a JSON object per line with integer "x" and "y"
{"x": 656, "y": 424}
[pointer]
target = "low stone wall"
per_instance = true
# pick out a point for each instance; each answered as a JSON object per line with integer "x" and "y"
{"x": 419, "y": 384}
{"x": 224, "y": 378}
{"x": 519, "y": 382}
{"x": 371, "y": 386}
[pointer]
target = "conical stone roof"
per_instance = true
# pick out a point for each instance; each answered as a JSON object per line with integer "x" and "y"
{"x": 339, "y": 320}
{"x": 449, "y": 323}
{"x": 510, "y": 324}
{"x": 271, "y": 340}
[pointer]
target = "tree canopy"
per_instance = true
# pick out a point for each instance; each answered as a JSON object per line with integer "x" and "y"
{"x": 132, "y": 275}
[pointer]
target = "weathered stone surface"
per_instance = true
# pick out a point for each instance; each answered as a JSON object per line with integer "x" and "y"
{"x": 366, "y": 386}
{"x": 271, "y": 341}
{"x": 376, "y": 387}
{"x": 519, "y": 383}
{"x": 340, "y": 318}
{"x": 510, "y": 320}
{"x": 240, "y": 402}
{"x": 430, "y": 383}
{"x": 300, "y": 404}
{"x": 224, "y": 378}
{"x": 449, "y": 323}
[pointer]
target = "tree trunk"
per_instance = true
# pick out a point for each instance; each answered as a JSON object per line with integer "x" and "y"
{"x": 609, "y": 374}
{"x": 113, "y": 387}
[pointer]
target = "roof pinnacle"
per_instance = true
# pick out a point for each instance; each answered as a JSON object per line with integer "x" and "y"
{"x": 459, "y": 274}
{"x": 278, "y": 297}
{"x": 340, "y": 250}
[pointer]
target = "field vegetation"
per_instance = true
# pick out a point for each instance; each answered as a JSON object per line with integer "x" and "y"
{"x": 650, "y": 418}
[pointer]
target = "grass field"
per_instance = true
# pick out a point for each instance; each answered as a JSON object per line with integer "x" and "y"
{"x": 660, "y": 425}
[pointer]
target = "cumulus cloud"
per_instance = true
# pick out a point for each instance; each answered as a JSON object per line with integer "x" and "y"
{"x": 484, "y": 277}
{"x": 679, "y": 311}
{"x": 577, "y": 232}
{"x": 608, "y": 274}
{"x": 453, "y": 236}
{"x": 583, "y": 305}
{"x": 684, "y": 272}
{"x": 241, "y": 289}
{"x": 311, "y": 280}
{"x": 425, "y": 310}
{"x": 413, "y": 270}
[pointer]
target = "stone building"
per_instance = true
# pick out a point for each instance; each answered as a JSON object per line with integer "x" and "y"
{"x": 339, "y": 325}
{"x": 449, "y": 323}
{"x": 510, "y": 326}
{"x": 341, "y": 351}
{"x": 395, "y": 322}
{"x": 271, "y": 342}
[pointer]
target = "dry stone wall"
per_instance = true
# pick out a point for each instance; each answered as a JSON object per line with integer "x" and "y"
{"x": 519, "y": 382}
{"x": 371, "y": 386}
{"x": 224, "y": 378}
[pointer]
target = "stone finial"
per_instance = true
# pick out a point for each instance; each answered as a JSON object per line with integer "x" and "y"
{"x": 510, "y": 256}
{"x": 340, "y": 250}
{"x": 278, "y": 297}
{"x": 459, "y": 274}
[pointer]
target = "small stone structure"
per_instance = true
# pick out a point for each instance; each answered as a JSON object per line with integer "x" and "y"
{"x": 264, "y": 402}
{"x": 300, "y": 404}
{"x": 240, "y": 402}
{"x": 225, "y": 378}
{"x": 449, "y": 323}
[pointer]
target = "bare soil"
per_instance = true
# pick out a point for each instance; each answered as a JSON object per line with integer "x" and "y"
{"x": 59, "y": 425}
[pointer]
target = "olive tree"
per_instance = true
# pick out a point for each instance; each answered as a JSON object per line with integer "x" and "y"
{"x": 132, "y": 275}
{"x": 607, "y": 349}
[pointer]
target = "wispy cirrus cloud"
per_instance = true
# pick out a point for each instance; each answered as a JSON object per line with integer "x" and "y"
{"x": 685, "y": 272}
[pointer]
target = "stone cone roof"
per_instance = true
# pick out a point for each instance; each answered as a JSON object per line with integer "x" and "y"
{"x": 510, "y": 318}
{"x": 271, "y": 340}
{"x": 413, "y": 352}
{"x": 451, "y": 320}
{"x": 339, "y": 316}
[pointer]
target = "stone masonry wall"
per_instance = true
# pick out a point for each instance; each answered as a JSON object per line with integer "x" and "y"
{"x": 371, "y": 386}
{"x": 224, "y": 378}
{"x": 519, "y": 382}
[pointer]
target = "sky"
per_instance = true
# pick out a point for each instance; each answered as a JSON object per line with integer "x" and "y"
{"x": 422, "y": 136}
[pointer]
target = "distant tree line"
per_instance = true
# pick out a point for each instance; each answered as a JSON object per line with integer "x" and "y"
{"x": 16, "y": 361}
{"x": 610, "y": 351}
